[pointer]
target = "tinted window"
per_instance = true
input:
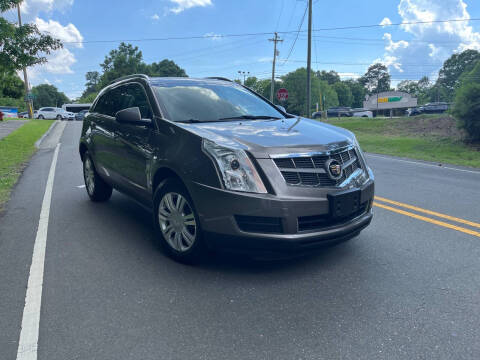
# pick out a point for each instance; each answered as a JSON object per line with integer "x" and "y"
{"x": 47, "y": 109}
{"x": 123, "y": 97}
{"x": 210, "y": 101}
{"x": 109, "y": 103}
{"x": 134, "y": 96}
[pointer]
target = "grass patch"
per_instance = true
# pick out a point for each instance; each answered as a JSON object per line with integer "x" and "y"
{"x": 429, "y": 137}
{"x": 15, "y": 150}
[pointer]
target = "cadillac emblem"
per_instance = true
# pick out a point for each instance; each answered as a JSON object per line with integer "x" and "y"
{"x": 334, "y": 169}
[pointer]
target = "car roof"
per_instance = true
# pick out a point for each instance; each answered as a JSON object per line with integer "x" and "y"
{"x": 173, "y": 81}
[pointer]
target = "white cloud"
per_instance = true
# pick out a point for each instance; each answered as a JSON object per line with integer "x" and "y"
{"x": 348, "y": 75}
{"x": 182, "y": 5}
{"x": 34, "y": 7}
{"x": 67, "y": 34}
{"x": 386, "y": 21}
{"x": 213, "y": 36}
{"x": 265, "y": 59}
{"x": 392, "y": 45}
{"x": 155, "y": 17}
{"x": 429, "y": 44}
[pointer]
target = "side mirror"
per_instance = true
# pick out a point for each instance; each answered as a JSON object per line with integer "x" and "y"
{"x": 132, "y": 116}
{"x": 281, "y": 108}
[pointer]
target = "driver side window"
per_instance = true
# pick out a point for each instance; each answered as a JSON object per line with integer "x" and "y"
{"x": 135, "y": 96}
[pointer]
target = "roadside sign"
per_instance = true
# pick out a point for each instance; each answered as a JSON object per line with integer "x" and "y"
{"x": 29, "y": 97}
{"x": 282, "y": 94}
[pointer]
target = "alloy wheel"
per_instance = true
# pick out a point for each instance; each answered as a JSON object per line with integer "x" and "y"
{"x": 177, "y": 221}
{"x": 89, "y": 176}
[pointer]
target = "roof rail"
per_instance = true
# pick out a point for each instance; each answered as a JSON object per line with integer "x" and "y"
{"x": 219, "y": 78}
{"x": 133, "y": 76}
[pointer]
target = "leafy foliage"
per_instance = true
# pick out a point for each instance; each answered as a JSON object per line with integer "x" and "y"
{"x": 127, "y": 60}
{"x": 48, "y": 95}
{"x": 376, "y": 79}
{"x": 11, "y": 86}
{"x": 296, "y": 83}
{"x": 164, "y": 68}
{"x": 358, "y": 92}
{"x": 331, "y": 77}
{"x": 454, "y": 67}
{"x": 345, "y": 96}
{"x": 22, "y": 46}
{"x": 467, "y": 108}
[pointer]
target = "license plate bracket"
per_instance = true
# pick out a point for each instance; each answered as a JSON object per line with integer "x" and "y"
{"x": 345, "y": 203}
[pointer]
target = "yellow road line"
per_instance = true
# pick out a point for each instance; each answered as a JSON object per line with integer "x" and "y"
{"x": 411, "y": 207}
{"x": 427, "y": 219}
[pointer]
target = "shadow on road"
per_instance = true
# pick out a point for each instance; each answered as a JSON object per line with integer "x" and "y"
{"x": 134, "y": 226}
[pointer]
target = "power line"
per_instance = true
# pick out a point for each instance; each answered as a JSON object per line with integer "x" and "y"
{"x": 265, "y": 33}
{"x": 298, "y": 32}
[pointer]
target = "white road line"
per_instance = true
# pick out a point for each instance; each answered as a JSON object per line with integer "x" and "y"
{"x": 28, "y": 343}
{"x": 423, "y": 164}
{"x": 80, "y": 186}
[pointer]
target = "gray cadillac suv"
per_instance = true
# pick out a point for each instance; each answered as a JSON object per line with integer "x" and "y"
{"x": 223, "y": 167}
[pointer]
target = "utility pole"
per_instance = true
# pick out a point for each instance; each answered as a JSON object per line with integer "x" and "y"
{"x": 309, "y": 60}
{"x": 25, "y": 77}
{"x": 272, "y": 85}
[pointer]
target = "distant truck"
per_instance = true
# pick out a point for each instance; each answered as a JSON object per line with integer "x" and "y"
{"x": 76, "y": 108}
{"x": 430, "y": 108}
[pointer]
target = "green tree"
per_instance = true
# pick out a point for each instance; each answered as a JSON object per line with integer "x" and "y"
{"x": 345, "y": 96}
{"x": 409, "y": 86}
{"x": 331, "y": 77}
{"x": 467, "y": 108}
{"x": 358, "y": 92}
{"x": 472, "y": 76}
{"x": 93, "y": 80}
{"x": 22, "y": 46}
{"x": 126, "y": 60}
{"x": 376, "y": 79}
{"x": 88, "y": 99}
{"x": 296, "y": 83}
{"x": 453, "y": 68}
{"x": 165, "y": 68}
{"x": 11, "y": 86}
{"x": 251, "y": 82}
{"x": 48, "y": 95}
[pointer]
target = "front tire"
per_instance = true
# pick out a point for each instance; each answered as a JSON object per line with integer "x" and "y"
{"x": 40, "y": 117}
{"x": 176, "y": 222}
{"x": 97, "y": 189}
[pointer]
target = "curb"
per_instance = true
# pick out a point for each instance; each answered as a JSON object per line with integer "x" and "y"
{"x": 39, "y": 141}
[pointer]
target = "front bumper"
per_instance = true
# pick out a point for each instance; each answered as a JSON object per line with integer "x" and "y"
{"x": 219, "y": 209}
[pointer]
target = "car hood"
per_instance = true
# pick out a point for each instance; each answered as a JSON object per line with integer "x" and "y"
{"x": 263, "y": 138}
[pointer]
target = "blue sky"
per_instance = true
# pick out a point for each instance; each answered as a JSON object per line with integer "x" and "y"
{"x": 409, "y": 51}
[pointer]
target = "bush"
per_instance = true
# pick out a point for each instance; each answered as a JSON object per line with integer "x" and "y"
{"x": 18, "y": 103}
{"x": 467, "y": 109}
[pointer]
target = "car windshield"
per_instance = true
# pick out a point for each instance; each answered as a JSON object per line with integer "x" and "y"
{"x": 207, "y": 101}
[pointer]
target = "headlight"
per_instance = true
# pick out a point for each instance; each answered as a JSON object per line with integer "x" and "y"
{"x": 236, "y": 169}
{"x": 359, "y": 150}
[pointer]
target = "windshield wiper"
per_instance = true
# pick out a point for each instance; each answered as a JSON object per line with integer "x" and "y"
{"x": 250, "y": 117}
{"x": 190, "y": 121}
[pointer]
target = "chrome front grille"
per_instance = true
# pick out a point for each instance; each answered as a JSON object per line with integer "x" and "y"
{"x": 310, "y": 170}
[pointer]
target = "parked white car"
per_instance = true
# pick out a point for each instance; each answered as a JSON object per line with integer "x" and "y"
{"x": 362, "y": 113}
{"x": 54, "y": 113}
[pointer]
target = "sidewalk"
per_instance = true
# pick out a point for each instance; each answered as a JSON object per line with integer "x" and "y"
{"x": 6, "y": 127}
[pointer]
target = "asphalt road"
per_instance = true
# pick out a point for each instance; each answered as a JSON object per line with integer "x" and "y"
{"x": 406, "y": 288}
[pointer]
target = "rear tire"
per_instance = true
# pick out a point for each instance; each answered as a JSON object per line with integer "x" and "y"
{"x": 59, "y": 117}
{"x": 97, "y": 189}
{"x": 177, "y": 227}
{"x": 40, "y": 117}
